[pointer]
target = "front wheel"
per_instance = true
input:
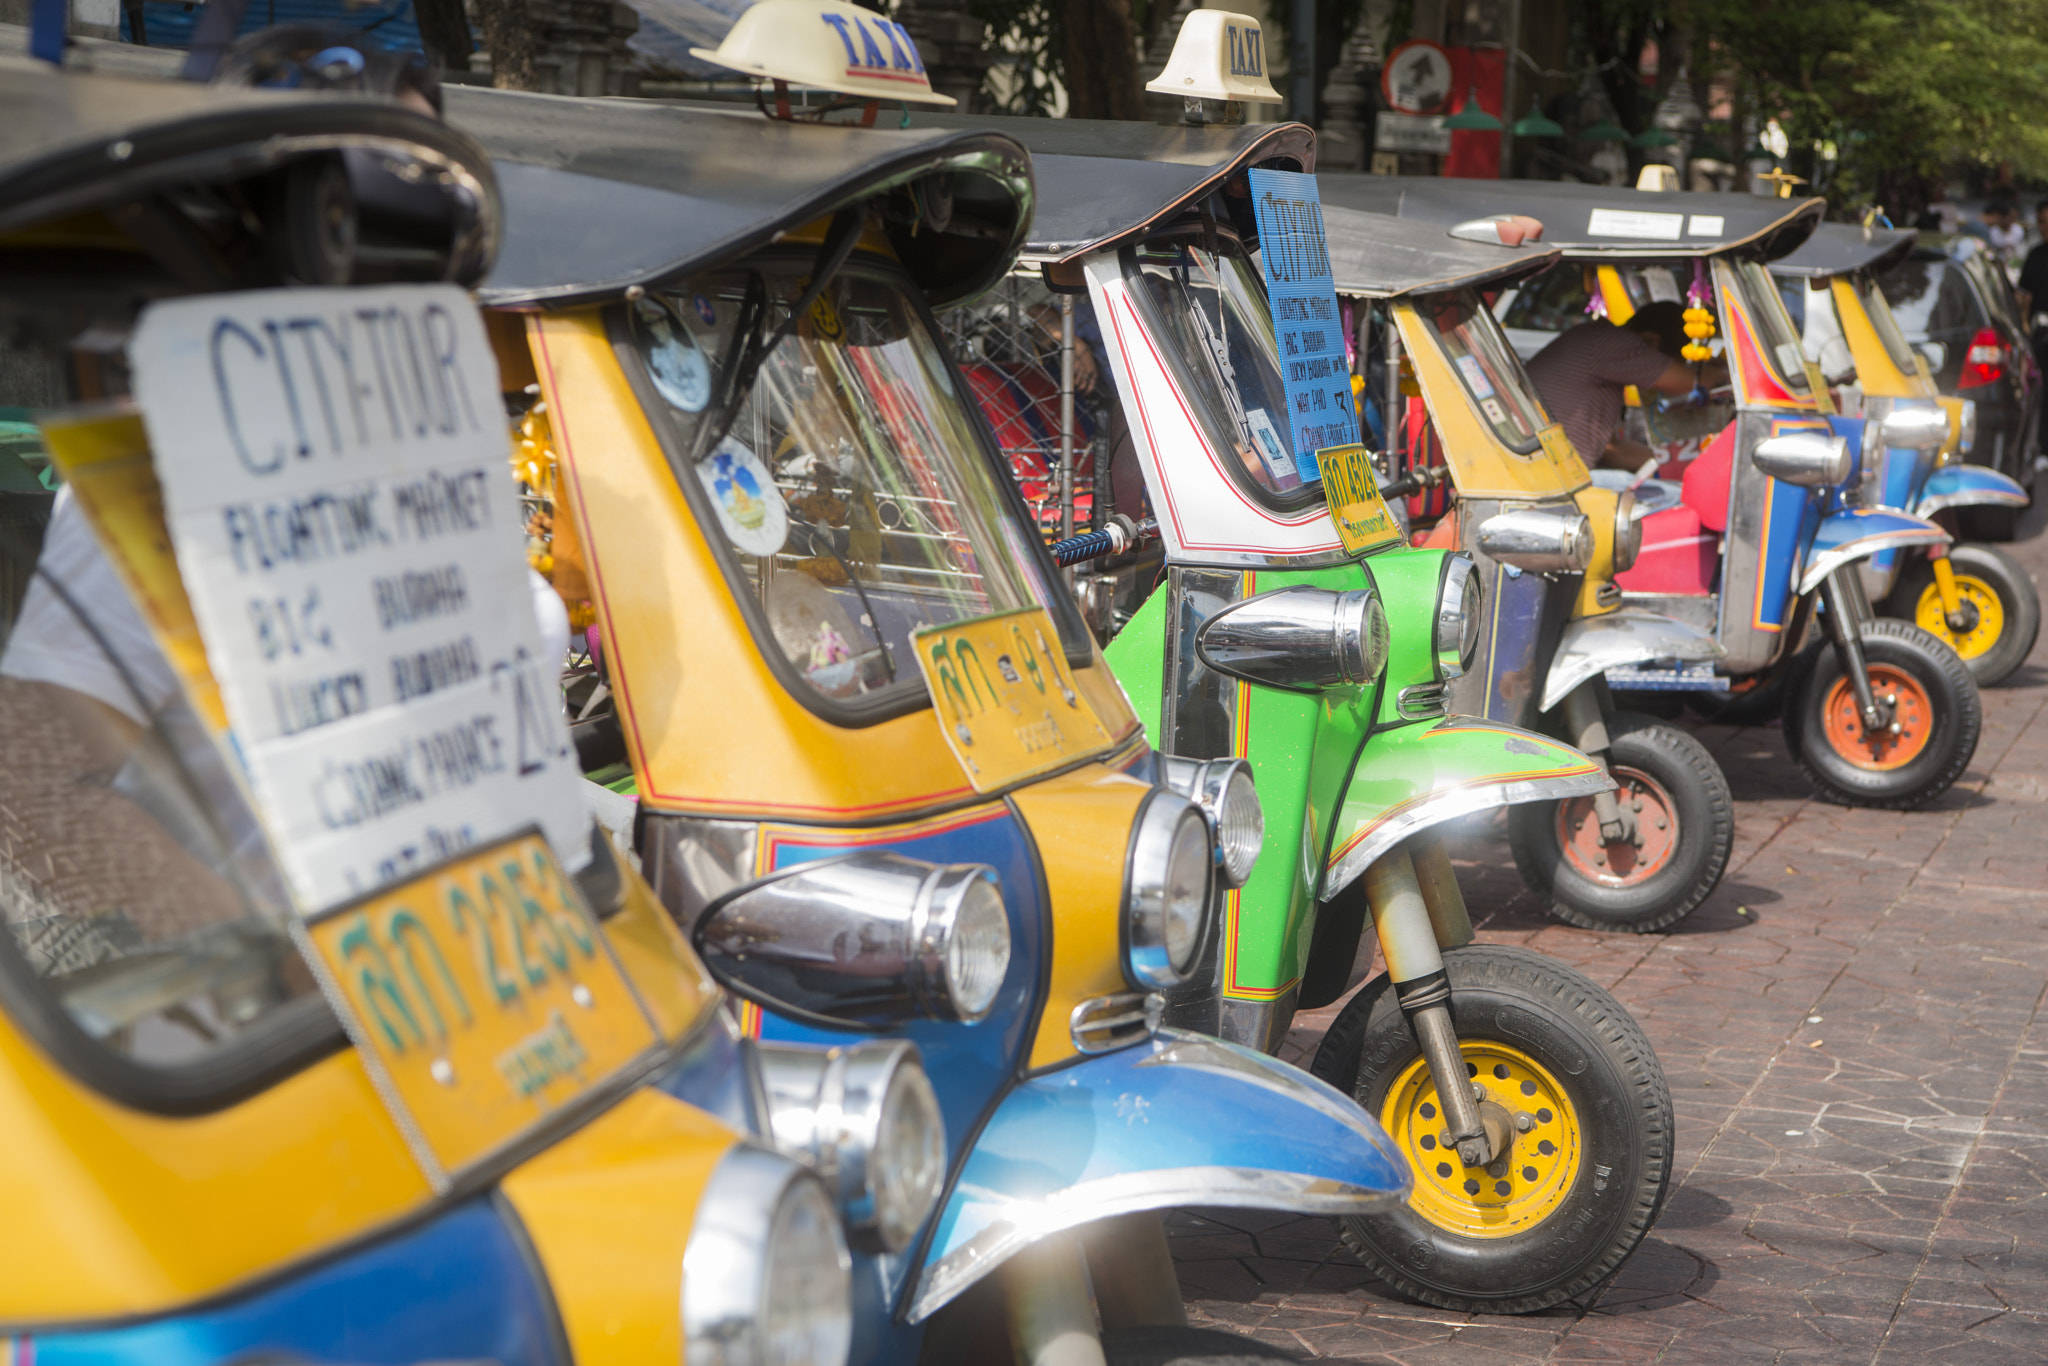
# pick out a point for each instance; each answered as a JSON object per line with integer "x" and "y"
{"x": 1675, "y": 795}
{"x": 2001, "y": 609}
{"x": 1586, "y": 1167}
{"x": 1936, "y": 716}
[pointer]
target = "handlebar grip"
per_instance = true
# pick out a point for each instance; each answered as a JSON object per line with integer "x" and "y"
{"x": 1086, "y": 546}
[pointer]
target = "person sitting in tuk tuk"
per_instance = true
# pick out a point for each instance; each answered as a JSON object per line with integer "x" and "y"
{"x": 1583, "y": 375}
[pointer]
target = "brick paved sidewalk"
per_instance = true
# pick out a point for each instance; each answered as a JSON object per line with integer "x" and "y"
{"x": 1853, "y": 1033}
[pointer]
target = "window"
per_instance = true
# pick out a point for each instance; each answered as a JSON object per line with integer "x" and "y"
{"x": 1554, "y": 301}
{"x": 1932, "y": 301}
{"x": 1494, "y": 379}
{"x": 1776, "y": 336}
{"x": 146, "y": 943}
{"x": 1209, "y": 307}
{"x": 1883, "y": 323}
{"x": 850, "y": 492}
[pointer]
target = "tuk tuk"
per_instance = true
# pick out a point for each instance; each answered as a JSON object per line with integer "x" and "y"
{"x": 1547, "y": 542}
{"x": 884, "y": 780}
{"x": 1756, "y": 531}
{"x": 327, "y": 1031}
{"x": 1318, "y": 650}
{"x": 1975, "y": 597}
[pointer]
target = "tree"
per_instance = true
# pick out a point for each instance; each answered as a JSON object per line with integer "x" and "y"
{"x": 1100, "y": 46}
{"x": 508, "y": 35}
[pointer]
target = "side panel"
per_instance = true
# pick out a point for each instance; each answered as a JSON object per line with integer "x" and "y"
{"x": 1522, "y": 614}
{"x": 456, "y": 1288}
{"x": 1769, "y": 522}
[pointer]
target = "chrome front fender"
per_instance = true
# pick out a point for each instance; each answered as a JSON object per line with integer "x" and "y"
{"x": 1593, "y": 645}
{"x": 1957, "y": 486}
{"x": 1857, "y": 533}
{"x": 1182, "y": 1119}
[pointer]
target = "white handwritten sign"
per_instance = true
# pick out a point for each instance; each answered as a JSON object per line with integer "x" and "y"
{"x": 334, "y": 472}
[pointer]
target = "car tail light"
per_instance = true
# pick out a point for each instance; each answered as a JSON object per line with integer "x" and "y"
{"x": 1984, "y": 363}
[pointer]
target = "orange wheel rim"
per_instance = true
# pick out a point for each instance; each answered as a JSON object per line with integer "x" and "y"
{"x": 1624, "y": 862}
{"x": 1903, "y": 742}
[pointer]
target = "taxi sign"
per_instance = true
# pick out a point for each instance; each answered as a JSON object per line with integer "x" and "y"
{"x": 483, "y": 999}
{"x": 1364, "y": 523}
{"x": 827, "y": 45}
{"x": 1004, "y": 697}
{"x": 1218, "y": 56}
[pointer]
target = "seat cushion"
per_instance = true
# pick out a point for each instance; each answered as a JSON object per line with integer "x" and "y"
{"x": 1706, "y": 480}
{"x": 1679, "y": 554}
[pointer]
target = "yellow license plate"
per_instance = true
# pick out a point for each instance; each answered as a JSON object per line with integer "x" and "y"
{"x": 483, "y": 997}
{"x": 1364, "y": 523}
{"x": 1004, "y": 697}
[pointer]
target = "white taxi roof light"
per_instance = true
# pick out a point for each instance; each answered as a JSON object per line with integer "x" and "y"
{"x": 1218, "y": 56}
{"x": 1504, "y": 229}
{"x": 826, "y": 45}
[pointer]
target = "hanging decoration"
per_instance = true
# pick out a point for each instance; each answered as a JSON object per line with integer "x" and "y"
{"x": 1699, "y": 316}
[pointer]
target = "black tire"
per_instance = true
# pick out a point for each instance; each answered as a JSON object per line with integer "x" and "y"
{"x": 1956, "y": 717}
{"x": 1510, "y": 999}
{"x": 1999, "y": 524}
{"x": 1187, "y": 1347}
{"x": 1699, "y": 806}
{"x": 1978, "y": 568}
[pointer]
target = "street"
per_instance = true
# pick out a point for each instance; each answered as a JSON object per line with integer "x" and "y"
{"x": 1851, "y": 1026}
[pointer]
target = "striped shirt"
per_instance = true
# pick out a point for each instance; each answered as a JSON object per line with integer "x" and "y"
{"x": 1581, "y": 375}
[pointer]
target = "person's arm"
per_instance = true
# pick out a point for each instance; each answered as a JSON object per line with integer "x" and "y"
{"x": 1678, "y": 380}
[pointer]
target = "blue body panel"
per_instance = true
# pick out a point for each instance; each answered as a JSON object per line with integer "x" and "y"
{"x": 1843, "y": 528}
{"x": 458, "y": 1287}
{"x": 1180, "y": 1119}
{"x": 1515, "y": 623}
{"x": 1790, "y": 514}
{"x": 1964, "y": 485}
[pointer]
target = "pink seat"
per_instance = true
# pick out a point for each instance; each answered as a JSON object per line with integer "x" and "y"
{"x": 1679, "y": 552}
{"x": 1706, "y": 480}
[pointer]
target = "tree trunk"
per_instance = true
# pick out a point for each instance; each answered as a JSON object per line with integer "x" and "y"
{"x": 444, "y": 33}
{"x": 509, "y": 38}
{"x": 1100, "y": 46}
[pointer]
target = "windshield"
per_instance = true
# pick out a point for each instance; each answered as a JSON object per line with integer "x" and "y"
{"x": 1487, "y": 366}
{"x": 1884, "y": 324}
{"x": 1554, "y": 301}
{"x": 851, "y": 491}
{"x": 1210, "y": 308}
{"x": 146, "y": 941}
{"x": 1776, "y": 336}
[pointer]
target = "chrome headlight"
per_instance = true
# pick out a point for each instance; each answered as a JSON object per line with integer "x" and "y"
{"x": 766, "y": 1273}
{"x": 1628, "y": 531}
{"x": 1302, "y": 639}
{"x": 1166, "y": 891}
{"x": 1545, "y": 540}
{"x": 1223, "y": 789}
{"x": 1919, "y": 429}
{"x": 1811, "y": 460}
{"x": 1966, "y": 438}
{"x": 865, "y": 1119}
{"x": 1458, "y": 599}
{"x": 871, "y": 938}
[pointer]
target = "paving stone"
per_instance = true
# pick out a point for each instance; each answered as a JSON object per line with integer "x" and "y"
{"x": 1905, "y": 1221}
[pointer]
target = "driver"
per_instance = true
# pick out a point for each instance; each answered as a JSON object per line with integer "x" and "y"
{"x": 1583, "y": 375}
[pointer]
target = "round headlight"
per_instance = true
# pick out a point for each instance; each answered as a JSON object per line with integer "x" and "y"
{"x": 1166, "y": 891}
{"x": 1538, "y": 540}
{"x": 978, "y": 949}
{"x": 907, "y": 1167}
{"x": 1240, "y": 825}
{"x": 766, "y": 1273}
{"x": 1628, "y": 531}
{"x": 1457, "y": 617}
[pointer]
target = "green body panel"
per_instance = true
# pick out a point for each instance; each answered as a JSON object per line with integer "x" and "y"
{"x": 1138, "y": 659}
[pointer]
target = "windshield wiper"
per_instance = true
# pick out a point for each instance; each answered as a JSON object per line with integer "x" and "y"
{"x": 749, "y": 349}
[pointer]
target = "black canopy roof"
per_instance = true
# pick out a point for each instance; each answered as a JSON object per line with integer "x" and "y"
{"x": 1102, "y": 182}
{"x": 604, "y": 194}
{"x": 74, "y": 143}
{"x": 1840, "y": 248}
{"x": 1594, "y": 220}
{"x": 1379, "y": 256}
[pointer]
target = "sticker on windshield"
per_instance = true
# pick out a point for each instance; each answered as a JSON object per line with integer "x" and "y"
{"x": 680, "y": 371}
{"x": 1475, "y": 375}
{"x": 705, "y": 310}
{"x": 750, "y": 507}
{"x": 1495, "y": 414}
{"x": 1266, "y": 437}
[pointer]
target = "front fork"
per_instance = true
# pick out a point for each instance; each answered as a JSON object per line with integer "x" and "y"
{"x": 1064, "y": 1291}
{"x": 1418, "y": 912}
{"x": 1848, "y": 611}
{"x": 1585, "y": 718}
{"x": 1960, "y": 616}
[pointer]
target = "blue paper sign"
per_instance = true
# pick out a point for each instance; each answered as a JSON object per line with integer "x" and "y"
{"x": 1295, "y": 257}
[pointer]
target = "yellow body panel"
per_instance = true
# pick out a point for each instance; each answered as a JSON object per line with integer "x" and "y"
{"x": 672, "y": 981}
{"x": 609, "y": 1211}
{"x": 1598, "y": 504}
{"x": 109, "y": 1211}
{"x": 1876, "y": 372}
{"x": 684, "y": 665}
{"x": 1952, "y": 445}
{"x": 1081, "y": 823}
{"x": 1482, "y": 466}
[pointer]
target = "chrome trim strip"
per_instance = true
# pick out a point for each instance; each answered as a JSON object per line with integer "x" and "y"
{"x": 1591, "y": 646}
{"x": 1462, "y": 802}
{"x": 1421, "y": 701}
{"x": 1848, "y": 552}
{"x": 1028, "y": 1221}
{"x": 1935, "y": 502}
{"x": 1116, "y": 1021}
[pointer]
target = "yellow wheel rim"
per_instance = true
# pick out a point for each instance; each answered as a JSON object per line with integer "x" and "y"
{"x": 1512, "y": 1195}
{"x": 1990, "y": 616}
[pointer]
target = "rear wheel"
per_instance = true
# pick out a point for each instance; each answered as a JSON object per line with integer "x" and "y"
{"x": 1187, "y": 1347}
{"x": 2001, "y": 609}
{"x": 1684, "y": 831}
{"x": 1936, "y": 719}
{"x": 1589, "y": 1156}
